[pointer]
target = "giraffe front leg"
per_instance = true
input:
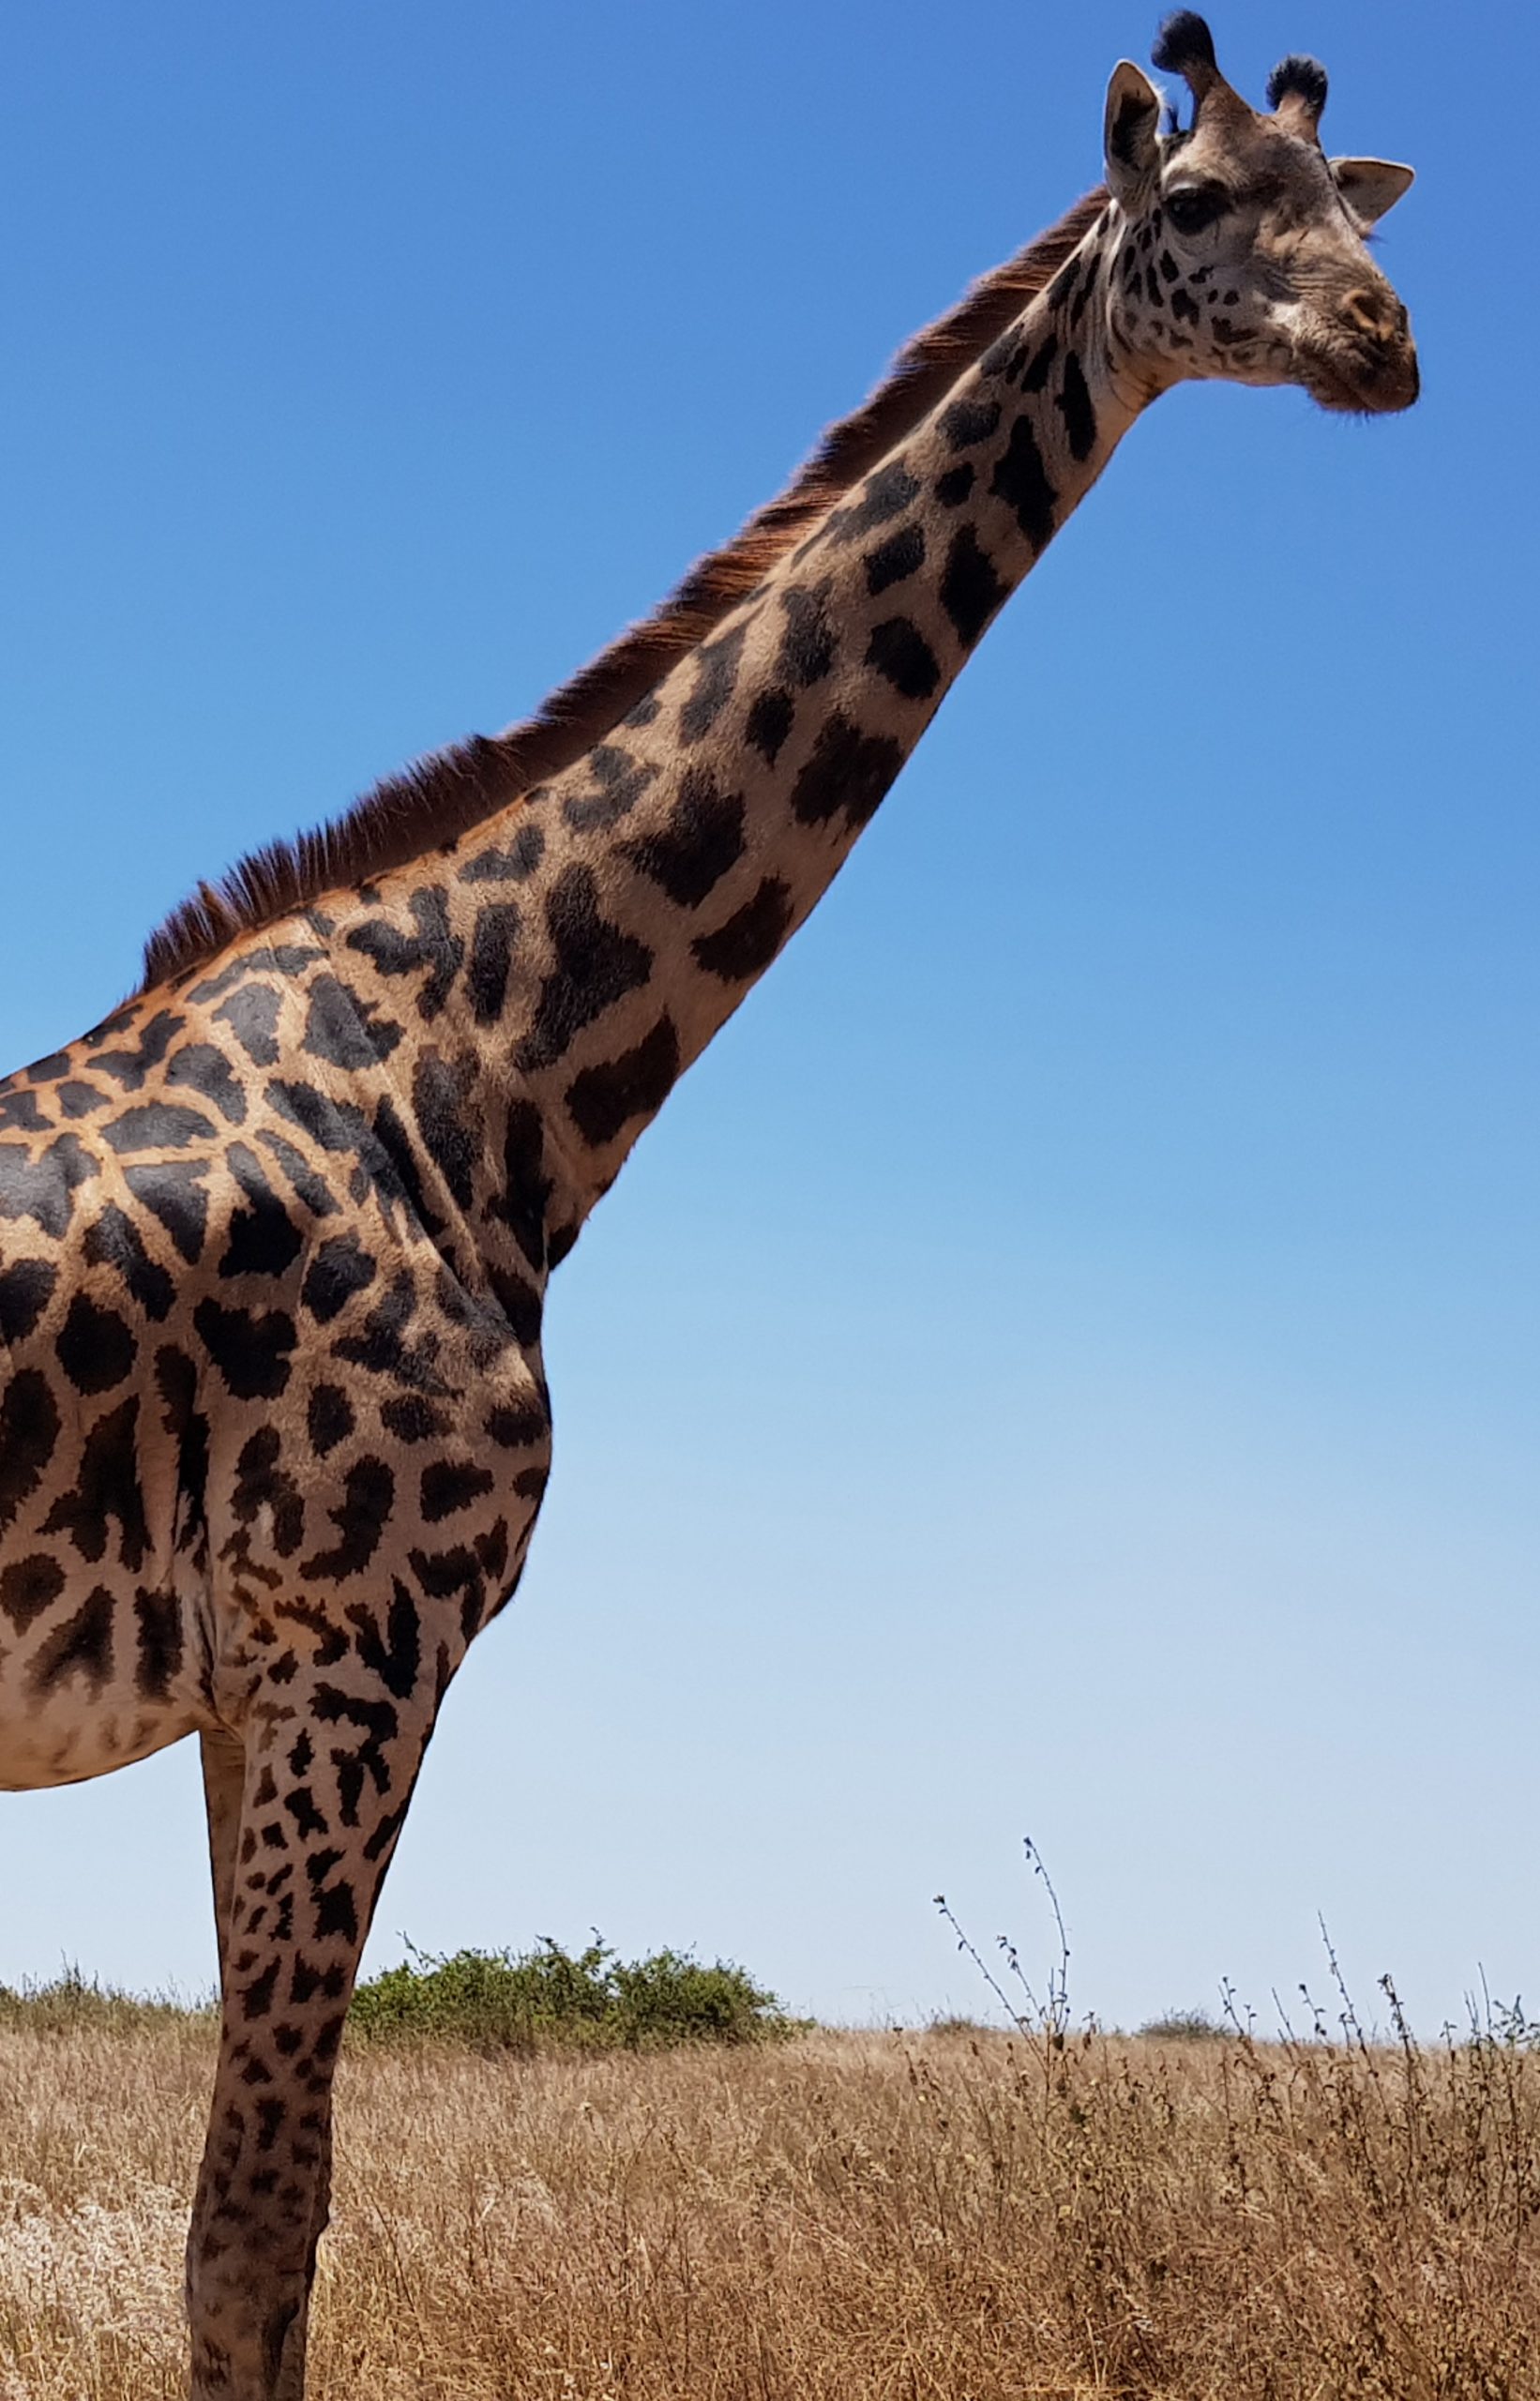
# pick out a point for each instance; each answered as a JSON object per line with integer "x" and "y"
{"x": 326, "y": 1768}
{"x": 224, "y": 1777}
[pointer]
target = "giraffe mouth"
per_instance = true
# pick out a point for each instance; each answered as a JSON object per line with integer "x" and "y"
{"x": 1361, "y": 385}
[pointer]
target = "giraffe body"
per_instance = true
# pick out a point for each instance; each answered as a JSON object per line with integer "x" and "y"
{"x": 275, "y": 1238}
{"x": 224, "y": 1447}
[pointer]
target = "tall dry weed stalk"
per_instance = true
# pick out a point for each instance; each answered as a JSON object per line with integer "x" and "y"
{"x": 967, "y": 2216}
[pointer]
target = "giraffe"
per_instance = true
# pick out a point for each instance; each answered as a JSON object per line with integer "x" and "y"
{"x": 275, "y": 1236}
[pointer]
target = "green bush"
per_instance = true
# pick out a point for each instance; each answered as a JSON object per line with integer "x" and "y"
{"x": 71, "y": 2001}
{"x": 1184, "y": 2026}
{"x": 551, "y": 1998}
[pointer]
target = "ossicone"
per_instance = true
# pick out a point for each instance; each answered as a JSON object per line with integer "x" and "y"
{"x": 1296, "y": 93}
{"x": 1185, "y": 46}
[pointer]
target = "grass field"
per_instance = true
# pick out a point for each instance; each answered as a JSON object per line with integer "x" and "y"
{"x": 950, "y": 2213}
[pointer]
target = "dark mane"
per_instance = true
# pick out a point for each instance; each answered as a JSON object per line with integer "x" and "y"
{"x": 444, "y": 795}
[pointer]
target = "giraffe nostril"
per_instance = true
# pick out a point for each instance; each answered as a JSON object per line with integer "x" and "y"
{"x": 1374, "y": 312}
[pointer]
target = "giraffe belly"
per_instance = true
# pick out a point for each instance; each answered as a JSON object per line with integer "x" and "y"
{"x": 71, "y": 1750}
{"x": 97, "y": 1678}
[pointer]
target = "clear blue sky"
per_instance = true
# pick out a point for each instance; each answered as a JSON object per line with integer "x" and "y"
{"x": 1066, "y": 1362}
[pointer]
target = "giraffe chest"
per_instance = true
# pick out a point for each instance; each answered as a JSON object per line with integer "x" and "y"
{"x": 154, "y": 1569}
{"x": 246, "y": 1420}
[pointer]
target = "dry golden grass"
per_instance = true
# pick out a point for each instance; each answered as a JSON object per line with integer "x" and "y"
{"x": 843, "y": 2215}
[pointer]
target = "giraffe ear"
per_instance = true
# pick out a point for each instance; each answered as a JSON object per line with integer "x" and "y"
{"x": 1370, "y": 186}
{"x": 1133, "y": 132}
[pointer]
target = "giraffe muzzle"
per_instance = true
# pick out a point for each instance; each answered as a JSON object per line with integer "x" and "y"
{"x": 1364, "y": 372}
{"x": 1365, "y": 359}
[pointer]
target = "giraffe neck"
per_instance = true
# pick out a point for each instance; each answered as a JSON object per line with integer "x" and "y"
{"x": 599, "y": 931}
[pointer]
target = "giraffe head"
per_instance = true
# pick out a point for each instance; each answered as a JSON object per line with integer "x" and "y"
{"x": 1239, "y": 248}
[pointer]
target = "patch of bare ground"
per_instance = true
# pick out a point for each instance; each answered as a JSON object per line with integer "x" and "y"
{"x": 950, "y": 2214}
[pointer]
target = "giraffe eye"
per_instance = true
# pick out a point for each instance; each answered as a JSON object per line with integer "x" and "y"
{"x": 1191, "y": 206}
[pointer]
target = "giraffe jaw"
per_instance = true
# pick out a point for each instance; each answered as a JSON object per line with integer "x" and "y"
{"x": 1356, "y": 387}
